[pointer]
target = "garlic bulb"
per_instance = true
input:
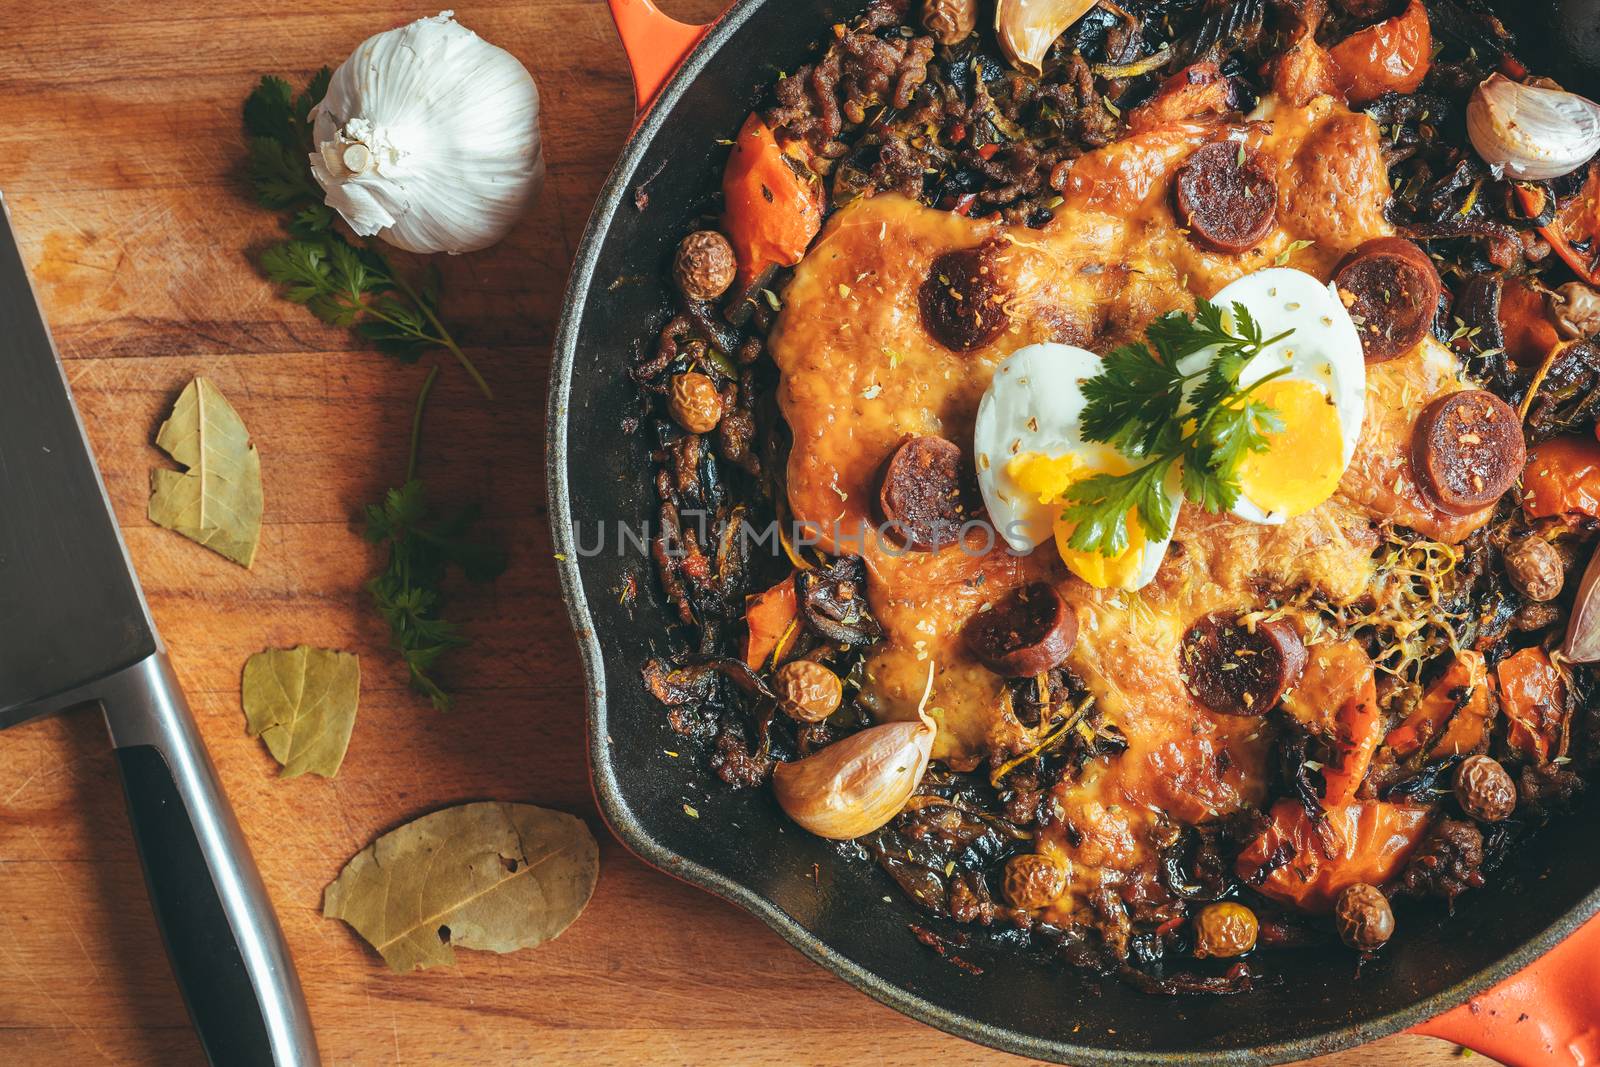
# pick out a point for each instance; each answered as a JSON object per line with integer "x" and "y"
{"x": 429, "y": 137}
{"x": 1027, "y": 28}
{"x": 1530, "y": 132}
{"x": 858, "y": 784}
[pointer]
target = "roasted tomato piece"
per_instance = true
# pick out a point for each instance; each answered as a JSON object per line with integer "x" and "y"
{"x": 1392, "y": 56}
{"x": 1197, "y": 90}
{"x": 770, "y": 209}
{"x": 1462, "y": 690}
{"x": 1563, "y": 478}
{"x": 1307, "y": 863}
{"x": 771, "y": 619}
{"x": 1535, "y": 701}
{"x": 1337, "y": 700}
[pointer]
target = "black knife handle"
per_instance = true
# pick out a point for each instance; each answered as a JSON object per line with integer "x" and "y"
{"x": 222, "y": 936}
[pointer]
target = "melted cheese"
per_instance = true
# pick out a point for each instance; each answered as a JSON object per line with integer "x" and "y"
{"x": 859, "y": 372}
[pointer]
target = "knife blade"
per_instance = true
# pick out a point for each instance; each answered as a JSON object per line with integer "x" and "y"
{"x": 75, "y": 630}
{"x": 63, "y": 569}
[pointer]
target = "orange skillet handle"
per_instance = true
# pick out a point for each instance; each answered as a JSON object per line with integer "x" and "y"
{"x": 655, "y": 45}
{"x": 1544, "y": 1016}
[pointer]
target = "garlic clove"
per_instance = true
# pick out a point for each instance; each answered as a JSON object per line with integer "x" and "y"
{"x": 1582, "y": 643}
{"x": 1577, "y": 311}
{"x": 1027, "y": 28}
{"x": 358, "y": 205}
{"x": 1530, "y": 132}
{"x": 856, "y": 785}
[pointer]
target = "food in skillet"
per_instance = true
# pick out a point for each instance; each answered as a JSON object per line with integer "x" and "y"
{"x": 1183, "y": 435}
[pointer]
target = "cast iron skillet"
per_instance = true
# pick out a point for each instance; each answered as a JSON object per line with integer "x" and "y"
{"x": 847, "y": 916}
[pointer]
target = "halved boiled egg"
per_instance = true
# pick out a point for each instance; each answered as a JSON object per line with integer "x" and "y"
{"x": 1029, "y": 449}
{"x": 1319, "y": 394}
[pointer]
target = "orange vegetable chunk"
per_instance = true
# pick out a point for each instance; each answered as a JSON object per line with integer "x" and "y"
{"x": 1390, "y": 56}
{"x": 768, "y": 617}
{"x": 770, "y": 212}
{"x": 1563, "y": 478}
{"x": 1463, "y": 689}
{"x": 1534, "y": 698}
{"x": 1367, "y": 842}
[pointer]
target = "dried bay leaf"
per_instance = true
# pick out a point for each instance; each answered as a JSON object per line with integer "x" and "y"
{"x": 216, "y": 500}
{"x": 492, "y": 876}
{"x": 302, "y": 703}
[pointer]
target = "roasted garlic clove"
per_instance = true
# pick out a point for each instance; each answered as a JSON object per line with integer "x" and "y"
{"x": 1027, "y": 28}
{"x": 1530, "y": 132}
{"x": 1582, "y": 643}
{"x": 856, "y": 785}
{"x": 1577, "y": 311}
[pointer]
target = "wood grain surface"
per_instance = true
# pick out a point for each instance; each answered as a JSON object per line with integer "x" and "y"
{"x": 119, "y": 154}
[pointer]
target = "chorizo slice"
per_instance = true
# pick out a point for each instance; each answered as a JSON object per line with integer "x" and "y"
{"x": 928, "y": 492}
{"x": 1466, "y": 450}
{"x": 1391, "y": 289}
{"x": 1233, "y": 669}
{"x": 1225, "y": 197}
{"x": 1028, "y": 633}
{"x": 962, "y": 300}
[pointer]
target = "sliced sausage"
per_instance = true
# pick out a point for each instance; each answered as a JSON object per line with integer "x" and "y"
{"x": 1225, "y": 197}
{"x": 1467, "y": 449}
{"x": 962, "y": 301}
{"x": 1234, "y": 670}
{"x": 1391, "y": 290}
{"x": 1028, "y": 633}
{"x": 928, "y": 492}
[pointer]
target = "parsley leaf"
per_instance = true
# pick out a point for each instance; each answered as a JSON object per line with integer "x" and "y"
{"x": 1132, "y": 401}
{"x": 279, "y": 174}
{"x": 1100, "y": 505}
{"x": 279, "y": 125}
{"x": 348, "y": 284}
{"x": 341, "y": 283}
{"x": 421, "y": 551}
{"x": 1146, "y": 406}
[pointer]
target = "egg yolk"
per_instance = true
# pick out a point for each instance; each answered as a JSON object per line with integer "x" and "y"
{"x": 1047, "y": 478}
{"x": 1304, "y": 461}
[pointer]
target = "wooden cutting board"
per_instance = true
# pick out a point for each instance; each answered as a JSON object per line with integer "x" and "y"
{"x": 120, "y": 153}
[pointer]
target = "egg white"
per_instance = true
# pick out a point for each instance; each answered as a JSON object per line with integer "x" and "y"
{"x": 1035, "y": 404}
{"x": 1324, "y": 349}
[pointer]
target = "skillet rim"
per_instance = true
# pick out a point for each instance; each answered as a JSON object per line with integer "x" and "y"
{"x": 608, "y": 791}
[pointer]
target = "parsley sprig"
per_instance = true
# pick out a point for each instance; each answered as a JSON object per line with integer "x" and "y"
{"x": 341, "y": 283}
{"x": 407, "y": 591}
{"x": 353, "y": 285}
{"x": 1202, "y": 422}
